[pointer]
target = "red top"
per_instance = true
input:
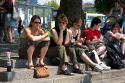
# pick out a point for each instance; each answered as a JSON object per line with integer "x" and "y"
{"x": 90, "y": 34}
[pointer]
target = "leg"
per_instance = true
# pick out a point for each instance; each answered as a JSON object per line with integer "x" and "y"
{"x": 63, "y": 60}
{"x": 96, "y": 57}
{"x": 123, "y": 48}
{"x": 43, "y": 52}
{"x": 86, "y": 59}
{"x": 101, "y": 50}
{"x": 72, "y": 54}
{"x": 30, "y": 51}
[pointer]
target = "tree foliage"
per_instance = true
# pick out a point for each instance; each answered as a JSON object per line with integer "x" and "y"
{"x": 71, "y": 8}
{"x": 104, "y": 6}
{"x": 53, "y": 4}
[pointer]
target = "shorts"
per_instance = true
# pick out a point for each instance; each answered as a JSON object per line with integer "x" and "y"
{"x": 24, "y": 46}
{"x": 9, "y": 21}
{"x": 93, "y": 47}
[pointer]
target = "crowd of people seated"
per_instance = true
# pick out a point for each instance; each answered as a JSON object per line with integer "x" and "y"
{"x": 66, "y": 43}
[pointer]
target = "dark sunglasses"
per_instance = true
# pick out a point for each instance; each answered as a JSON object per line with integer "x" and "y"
{"x": 62, "y": 22}
{"x": 37, "y": 22}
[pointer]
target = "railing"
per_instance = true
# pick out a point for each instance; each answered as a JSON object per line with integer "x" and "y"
{"x": 27, "y": 11}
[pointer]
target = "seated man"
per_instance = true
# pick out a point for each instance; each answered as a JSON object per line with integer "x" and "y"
{"x": 94, "y": 39}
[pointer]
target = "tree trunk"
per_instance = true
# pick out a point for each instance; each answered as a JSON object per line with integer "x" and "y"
{"x": 71, "y": 8}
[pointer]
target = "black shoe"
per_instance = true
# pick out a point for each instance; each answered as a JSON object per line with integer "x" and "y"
{"x": 66, "y": 72}
{"x": 78, "y": 71}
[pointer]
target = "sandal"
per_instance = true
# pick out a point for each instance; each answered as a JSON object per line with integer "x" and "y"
{"x": 30, "y": 67}
{"x": 44, "y": 65}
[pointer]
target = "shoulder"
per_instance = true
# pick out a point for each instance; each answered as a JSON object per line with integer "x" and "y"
{"x": 69, "y": 31}
{"x": 86, "y": 30}
{"x": 53, "y": 31}
{"x": 27, "y": 29}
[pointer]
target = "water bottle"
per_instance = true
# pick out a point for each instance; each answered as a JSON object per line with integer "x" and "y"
{"x": 8, "y": 61}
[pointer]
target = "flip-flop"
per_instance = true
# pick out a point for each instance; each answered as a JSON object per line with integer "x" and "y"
{"x": 30, "y": 67}
{"x": 44, "y": 65}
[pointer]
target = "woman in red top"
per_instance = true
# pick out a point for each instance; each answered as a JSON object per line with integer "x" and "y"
{"x": 94, "y": 39}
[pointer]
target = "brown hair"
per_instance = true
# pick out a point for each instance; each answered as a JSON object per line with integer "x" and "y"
{"x": 77, "y": 20}
{"x": 62, "y": 17}
{"x": 33, "y": 18}
{"x": 115, "y": 25}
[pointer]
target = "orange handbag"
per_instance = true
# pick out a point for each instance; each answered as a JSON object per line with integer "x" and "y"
{"x": 40, "y": 72}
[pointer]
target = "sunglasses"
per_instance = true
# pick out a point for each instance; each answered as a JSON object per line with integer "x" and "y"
{"x": 37, "y": 22}
{"x": 62, "y": 22}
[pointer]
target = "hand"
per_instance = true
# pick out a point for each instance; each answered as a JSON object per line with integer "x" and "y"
{"x": 62, "y": 28}
{"x": 85, "y": 47}
{"x": 46, "y": 39}
{"x": 100, "y": 41}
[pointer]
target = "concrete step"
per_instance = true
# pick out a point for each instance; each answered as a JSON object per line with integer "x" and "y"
{"x": 23, "y": 73}
{"x": 111, "y": 80}
{"x": 78, "y": 78}
{"x": 20, "y": 63}
{"x": 107, "y": 74}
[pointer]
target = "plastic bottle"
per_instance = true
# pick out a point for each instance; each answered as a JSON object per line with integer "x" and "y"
{"x": 8, "y": 61}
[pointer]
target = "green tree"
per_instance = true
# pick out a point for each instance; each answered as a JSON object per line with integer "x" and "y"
{"x": 71, "y": 8}
{"x": 53, "y": 4}
{"x": 104, "y": 6}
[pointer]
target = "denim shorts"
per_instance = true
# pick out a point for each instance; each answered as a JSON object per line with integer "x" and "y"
{"x": 9, "y": 21}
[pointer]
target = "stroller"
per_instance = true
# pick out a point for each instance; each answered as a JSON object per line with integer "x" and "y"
{"x": 109, "y": 22}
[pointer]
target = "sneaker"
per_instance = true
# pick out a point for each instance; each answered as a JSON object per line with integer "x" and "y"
{"x": 78, "y": 71}
{"x": 105, "y": 67}
{"x": 98, "y": 68}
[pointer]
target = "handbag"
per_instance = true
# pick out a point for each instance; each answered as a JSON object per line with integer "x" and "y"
{"x": 40, "y": 72}
{"x": 15, "y": 14}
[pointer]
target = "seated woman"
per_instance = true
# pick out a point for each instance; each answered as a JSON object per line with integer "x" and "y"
{"x": 114, "y": 36}
{"x": 33, "y": 38}
{"x": 60, "y": 38}
{"x": 80, "y": 48}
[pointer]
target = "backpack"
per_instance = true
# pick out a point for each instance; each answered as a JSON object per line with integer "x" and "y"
{"x": 114, "y": 60}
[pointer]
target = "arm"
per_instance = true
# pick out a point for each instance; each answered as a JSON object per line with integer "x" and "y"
{"x": 121, "y": 11}
{"x": 68, "y": 37}
{"x": 58, "y": 39}
{"x": 32, "y": 37}
{"x": 110, "y": 13}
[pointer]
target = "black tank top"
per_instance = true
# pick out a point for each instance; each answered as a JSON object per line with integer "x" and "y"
{"x": 52, "y": 42}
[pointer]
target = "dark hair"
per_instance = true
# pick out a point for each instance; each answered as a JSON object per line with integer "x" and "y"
{"x": 33, "y": 18}
{"x": 115, "y": 25}
{"x": 96, "y": 21}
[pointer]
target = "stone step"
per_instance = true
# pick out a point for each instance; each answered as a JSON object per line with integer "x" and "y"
{"x": 111, "y": 80}
{"x": 23, "y": 73}
{"x": 107, "y": 74}
{"x": 21, "y": 63}
{"x": 77, "y": 78}
{"x": 91, "y": 76}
